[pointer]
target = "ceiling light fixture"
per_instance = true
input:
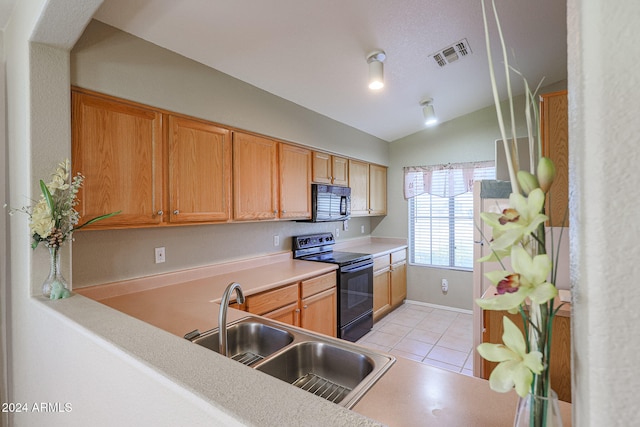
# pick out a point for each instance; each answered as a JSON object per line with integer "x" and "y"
{"x": 429, "y": 113}
{"x": 376, "y": 73}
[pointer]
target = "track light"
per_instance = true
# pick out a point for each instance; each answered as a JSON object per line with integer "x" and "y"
{"x": 376, "y": 72}
{"x": 429, "y": 113}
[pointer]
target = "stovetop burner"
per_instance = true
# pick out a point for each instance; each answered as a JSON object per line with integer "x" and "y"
{"x": 336, "y": 257}
{"x": 319, "y": 247}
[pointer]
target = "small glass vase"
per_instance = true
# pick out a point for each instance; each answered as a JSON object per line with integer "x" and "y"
{"x": 538, "y": 411}
{"x": 55, "y": 286}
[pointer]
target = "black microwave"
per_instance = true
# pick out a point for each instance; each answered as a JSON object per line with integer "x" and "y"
{"x": 330, "y": 203}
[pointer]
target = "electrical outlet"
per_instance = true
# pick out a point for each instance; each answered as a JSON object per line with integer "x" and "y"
{"x": 345, "y": 225}
{"x": 160, "y": 255}
{"x": 337, "y": 232}
{"x": 362, "y": 229}
{"x": 276, "y": 240}
{"x": 445, "y": 286}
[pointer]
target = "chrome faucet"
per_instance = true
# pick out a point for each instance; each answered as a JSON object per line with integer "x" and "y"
{"x": 222, "y": 314}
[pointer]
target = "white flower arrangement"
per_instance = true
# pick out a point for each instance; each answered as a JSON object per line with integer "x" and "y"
{"x": 53, "y": 219}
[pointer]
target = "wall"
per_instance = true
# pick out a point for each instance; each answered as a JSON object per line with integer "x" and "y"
{"x": 111, "y": 61}
{"x": 465, "y": 139}
{"x": 603, "y": 178}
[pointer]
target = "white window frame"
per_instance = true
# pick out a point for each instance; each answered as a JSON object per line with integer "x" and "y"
{"x": 428, "y": 228}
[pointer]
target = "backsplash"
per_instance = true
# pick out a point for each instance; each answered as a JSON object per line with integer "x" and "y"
{"x": 104, "y": 256}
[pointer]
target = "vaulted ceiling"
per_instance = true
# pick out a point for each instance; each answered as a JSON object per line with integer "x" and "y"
{"x": 313, "y": 52}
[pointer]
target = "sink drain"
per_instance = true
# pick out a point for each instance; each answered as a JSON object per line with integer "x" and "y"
{"x": 322, "y": 387}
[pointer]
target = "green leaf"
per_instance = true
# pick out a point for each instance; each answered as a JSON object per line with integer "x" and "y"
{"x": 98, "y": 218}
{"x": 49, "y": 199}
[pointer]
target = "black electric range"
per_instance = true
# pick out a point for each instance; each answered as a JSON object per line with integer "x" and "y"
{"x": 354, "y": 281}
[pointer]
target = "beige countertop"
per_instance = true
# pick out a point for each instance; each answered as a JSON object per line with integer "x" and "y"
{"x": 187, "y": 305}
{"x": 409, "y": 394}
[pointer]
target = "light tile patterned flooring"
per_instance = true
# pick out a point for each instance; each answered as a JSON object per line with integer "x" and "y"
{"x": 434, "y": 336}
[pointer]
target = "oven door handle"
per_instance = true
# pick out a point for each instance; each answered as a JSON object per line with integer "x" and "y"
{"x": 356, "y": 268}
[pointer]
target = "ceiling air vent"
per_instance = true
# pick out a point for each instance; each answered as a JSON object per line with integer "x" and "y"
{"x": 452, "y": 53}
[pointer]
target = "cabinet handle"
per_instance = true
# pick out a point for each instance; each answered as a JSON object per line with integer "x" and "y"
{"x": 305, "y": 307}
{"x": 284, "y": 211}
{"x": 275, "y": 212}
{"x": 176, "y": 212}
{"x": 160, "y": 212}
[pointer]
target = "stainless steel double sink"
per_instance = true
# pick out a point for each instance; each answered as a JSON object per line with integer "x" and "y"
{"x": 336, "y": 370}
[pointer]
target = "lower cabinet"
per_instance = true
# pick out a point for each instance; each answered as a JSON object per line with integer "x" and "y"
{"x": 389, "y": 282}
{"x": 310, "y": 304}
{"x": 318, "y": 312}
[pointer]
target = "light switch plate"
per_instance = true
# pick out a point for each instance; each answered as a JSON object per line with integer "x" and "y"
{"x": 160, "y": 255}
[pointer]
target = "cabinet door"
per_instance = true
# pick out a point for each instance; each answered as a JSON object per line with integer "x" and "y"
{"x": 398, "y": 283}
{"x": 295, "y": 182}
{"x": 117, "y": 146}
{"x": 381, "y": 293}
{"x": 339, "y": 171}
{"x": 555, "y": 145}
{"x": 289, "y": 314}
{"x": 199, "y": 171}
{"x": 255, "y": 177}
{"x": 377, "y": 190}
{"x": 359, "y": 183}
{"x": 319, "y": 313}
{"x": 322, "y": 168}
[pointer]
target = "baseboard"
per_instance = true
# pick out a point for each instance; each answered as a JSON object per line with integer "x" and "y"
{"x": 441, "y": 307}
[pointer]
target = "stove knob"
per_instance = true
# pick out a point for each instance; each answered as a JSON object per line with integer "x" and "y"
{"x": 320, "y": 240}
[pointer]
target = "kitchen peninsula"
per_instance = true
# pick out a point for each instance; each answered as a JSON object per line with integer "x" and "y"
{"x": 409, "y": 394}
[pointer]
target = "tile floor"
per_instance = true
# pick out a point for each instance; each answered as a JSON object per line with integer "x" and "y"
{"x": 434, "y": 336}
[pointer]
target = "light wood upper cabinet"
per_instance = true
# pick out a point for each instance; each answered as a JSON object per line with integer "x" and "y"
{"x": 377, "y": 190}
{"x": 340, "y": 168}
{"x": 199, "y": 171}
{"x": 328, "y": 169}
{"x": 117, "y": 146}
{"x": 163, "y": 168}
{"x": 555, "y": 145}
{"x": 359, "y": 183}
{"x": 255, "y": 177}
{"x": 368, "y": 184}
{"x": 295, "y": 182}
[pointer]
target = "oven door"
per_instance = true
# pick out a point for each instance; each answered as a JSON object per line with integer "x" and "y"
{"x": 356, "y": 291}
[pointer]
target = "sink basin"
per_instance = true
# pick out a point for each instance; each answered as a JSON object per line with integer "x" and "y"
{"x": 336, "y": 370}
{"x": 248, "y": 341}
{"x": 320, "y": 368}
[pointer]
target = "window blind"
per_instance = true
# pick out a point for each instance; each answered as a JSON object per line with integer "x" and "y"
{"x": 441, "y": 226}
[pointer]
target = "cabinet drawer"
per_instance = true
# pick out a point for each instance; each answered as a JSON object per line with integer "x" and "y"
{"x": 270, "y": 300}
{"x": 398, "y": 256}
{"x": 318, "y": 284}
{"x": 381, "y": 262}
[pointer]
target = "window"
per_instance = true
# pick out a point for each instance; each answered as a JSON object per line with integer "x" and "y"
{"x": 441, "y": 222}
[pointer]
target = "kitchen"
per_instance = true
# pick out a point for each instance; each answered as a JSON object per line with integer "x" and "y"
{"x": 22, "y": 269}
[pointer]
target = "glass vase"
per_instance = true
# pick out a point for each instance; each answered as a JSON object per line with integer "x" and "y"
{"x": 538, "y": 411}
{"x": 55, "y": 286}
